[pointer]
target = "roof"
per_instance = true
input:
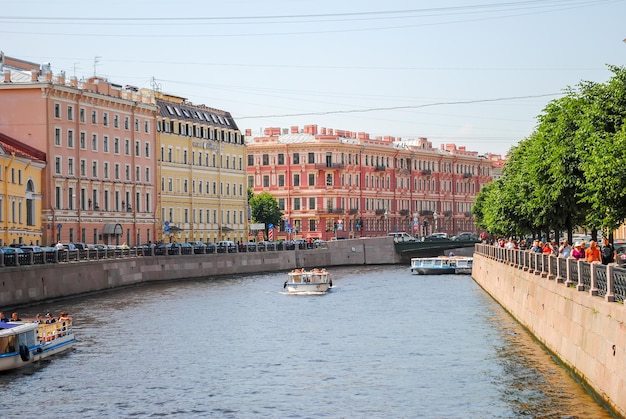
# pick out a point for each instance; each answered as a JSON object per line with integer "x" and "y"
{"x": 10, "y": 145}
{"x": 199, "y": 114}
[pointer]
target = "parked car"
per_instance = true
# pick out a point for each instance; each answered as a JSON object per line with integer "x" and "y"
{"x": 436, "y": 237}
{"x": 33, "y": 249}
{"x": 226, "y": 246}
{"x": 211, "y": 247}
{"x": 199, "y": 247}
{"x": 466, "y": 237}
{"x": 7, "y": 250}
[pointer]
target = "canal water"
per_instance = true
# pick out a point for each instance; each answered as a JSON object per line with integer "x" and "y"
{"x": 382, "y": 343}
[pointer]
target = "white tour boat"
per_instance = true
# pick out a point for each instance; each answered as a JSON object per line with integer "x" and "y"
{"x": 442, "y": 265}
{"x": 315, "y": 281}
{"x": 22, "y": 343}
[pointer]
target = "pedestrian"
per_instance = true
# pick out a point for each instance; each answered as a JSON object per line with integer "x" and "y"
{"x": 564, "y": 249}
{"x": 592, "y": 254}
{"x": 608, "y": 252}
{"x": 577, "y": 252}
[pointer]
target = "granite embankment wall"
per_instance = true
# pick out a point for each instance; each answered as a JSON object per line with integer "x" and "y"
{"x": 586, "y": 332}
{"x": 29, "y": 284}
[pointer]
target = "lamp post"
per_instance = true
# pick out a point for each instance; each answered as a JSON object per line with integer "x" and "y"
{"x": 435, "y": 215}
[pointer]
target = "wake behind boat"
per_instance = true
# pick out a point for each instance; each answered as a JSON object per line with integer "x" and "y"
{"x": 22, "y": 343}
{"x": 442, "y": 265}
{"x": 315, "y": 281}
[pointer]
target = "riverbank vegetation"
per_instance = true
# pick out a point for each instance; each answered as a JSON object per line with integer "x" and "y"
{"x": 570, "y": 172}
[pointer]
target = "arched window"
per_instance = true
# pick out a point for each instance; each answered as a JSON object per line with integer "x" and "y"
{"x": 30, "y": 202}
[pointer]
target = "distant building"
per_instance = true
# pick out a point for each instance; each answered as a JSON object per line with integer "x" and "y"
{"x": 21, "y": 172}
{"x": 202, "y": 173}
{"x": 335, "y": 183}
{"x": 99, "y": 139}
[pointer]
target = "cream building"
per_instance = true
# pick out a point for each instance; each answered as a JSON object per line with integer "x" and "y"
{"x": 202, "y": 172}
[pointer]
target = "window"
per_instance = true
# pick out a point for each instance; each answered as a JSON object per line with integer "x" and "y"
{"x": 105, "y": 119}
{"x": 70, "y": 113}
{"x": 126, "y": 123}
{"x": 83, "y": 167}
{"x": 94, "y": 117}
{"x": 57, "y": 165}
{"x": 296, "y": 180}
{"x": 116, "y": 121}
{"x": 281, "y": 180}
{"x": 82, "y": 115}
{"x": 105, "y": 144}
{"x": 137, "y": 149}
{"x": 94, "y": 169}
{"x": 94, "y": 142}
{"x": 311, "y": 157}
{"x": 106, "y": 170}
{"x": 137, "y": 124}
{"x": 147, "y": 179}
{"x": 250, "y": 160}
{"x": 127, "y": 147}
{"x": 296, "y": 204}
{"x": 311, "y": 203}
{"x": 57, "y": 136}
{"x": 57, "y": 110}
{"x": 70, "y": 166}
{"x": 117, "y": 171}
{"x": 296, "y": 158}
{"x": 83, "y": 141}
{"x": 146, "y": 127}
{"x": 116, "y": 145}
{"x": 138, "y": 173}
{"x": 329, "y": 180}
{"x": 266, "y": 159}
{"x": 281, "y": 158}
{"x": 148, "y": 150}
{"x": 311, "y": 179}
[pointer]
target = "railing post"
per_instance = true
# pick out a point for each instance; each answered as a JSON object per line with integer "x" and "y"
{"x": 593, "y": 291}
{"x": 1, "y": 259}
{"x": 551, "y": 275}
{"x": 610, "y": 283}
{"x": 580, "y": 286}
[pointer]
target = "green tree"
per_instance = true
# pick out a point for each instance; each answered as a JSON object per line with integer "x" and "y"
{"x": 264, "y": 209}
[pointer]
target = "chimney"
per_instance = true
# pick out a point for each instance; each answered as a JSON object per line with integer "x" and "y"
{"x": 61, "y": 77}
{"x": 7, "y": 76}
{"x": 74, "y": 81}
{"x": 49, "y": 76}
{"x": 34, "y": 74}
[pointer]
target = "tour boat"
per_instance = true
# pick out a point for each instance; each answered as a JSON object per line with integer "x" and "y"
{"x": 442, "y": 265}
{"x": 315, "y": 281}
{"x": 22, "y": 343}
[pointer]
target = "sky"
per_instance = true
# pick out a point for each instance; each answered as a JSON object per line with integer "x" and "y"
{"x": 474, "y": 73}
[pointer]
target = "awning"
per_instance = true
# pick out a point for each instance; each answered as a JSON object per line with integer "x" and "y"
{"x": 112, "y": 229}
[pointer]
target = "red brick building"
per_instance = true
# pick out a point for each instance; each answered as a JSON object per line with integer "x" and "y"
{"x": 335, "y": 183}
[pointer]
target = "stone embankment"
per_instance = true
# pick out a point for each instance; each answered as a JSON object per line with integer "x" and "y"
{"x": 586, "y": 331}
{"x": 29, "y": 284}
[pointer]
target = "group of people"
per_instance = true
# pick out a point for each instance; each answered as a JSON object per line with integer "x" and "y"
{"x": 64, "y": 316}
{"x": 593, "y": 253}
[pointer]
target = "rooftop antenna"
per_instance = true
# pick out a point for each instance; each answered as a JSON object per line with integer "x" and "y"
{"x": 156, "y": 87}
{"x": 96, "y": 60}
{"x": 75, "y": 69}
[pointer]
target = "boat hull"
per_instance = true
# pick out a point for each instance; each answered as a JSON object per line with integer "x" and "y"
{"x": 310, "y": 288}
{"x": 433, "y": 271}
{"x": 29, "y": 342}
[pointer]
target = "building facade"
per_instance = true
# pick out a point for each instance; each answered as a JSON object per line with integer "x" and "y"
{"x": 334, "y": 183}
{"x": 21, "y": 172}
{"x": 202, "y": 172}
{"x": 99, "y": 139}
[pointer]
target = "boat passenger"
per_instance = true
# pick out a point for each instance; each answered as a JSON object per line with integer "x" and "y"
{"x": 2, "y": 318}
{"x": 64, "y": 316}
{"x": 451, "y": 254}
{"x": 39, "y": 319}
{"x": 50, "y": 319}
{"x": 15, "y": 317}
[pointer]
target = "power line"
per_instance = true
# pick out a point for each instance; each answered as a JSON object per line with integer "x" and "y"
{"x": 393, "y": 108}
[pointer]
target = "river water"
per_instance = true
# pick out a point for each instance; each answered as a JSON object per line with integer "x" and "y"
{"x": 382, "y": 343}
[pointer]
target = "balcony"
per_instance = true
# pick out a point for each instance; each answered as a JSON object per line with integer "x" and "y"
{"x": 447, "y": 213}
{"x": 467, "y": 175}
{"x": 380, "y": 168}
{"x": 380, "y": 212}
{"x": 426, "y": 212}
{"x": 427, "y": 172}
{"x": 325, "y": 166}
{"x": 467, "y": 214}
{"x": 354, "y": 211}
{"x": 403, "y": 171}
{"x": 404, "y": 212}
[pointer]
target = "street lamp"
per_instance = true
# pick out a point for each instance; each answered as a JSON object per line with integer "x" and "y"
{"x": 435, "y": 215}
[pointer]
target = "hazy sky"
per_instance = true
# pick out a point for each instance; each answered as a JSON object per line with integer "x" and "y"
{"x": 475, "y": 73}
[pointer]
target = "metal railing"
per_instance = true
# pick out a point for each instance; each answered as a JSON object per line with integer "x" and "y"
{"x": 606, "y": 281}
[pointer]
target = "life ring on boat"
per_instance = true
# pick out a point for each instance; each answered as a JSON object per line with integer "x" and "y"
{"x": 24, "y": 353}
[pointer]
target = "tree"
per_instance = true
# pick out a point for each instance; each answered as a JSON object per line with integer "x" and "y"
{"x": 264, "y": 209}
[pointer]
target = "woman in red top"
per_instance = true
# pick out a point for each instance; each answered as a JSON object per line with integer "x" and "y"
{"x": 577, "y": 251}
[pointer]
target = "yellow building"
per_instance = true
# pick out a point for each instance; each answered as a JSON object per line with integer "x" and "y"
{"x": 201, "y": 166}
{"x": 21, "y": 168}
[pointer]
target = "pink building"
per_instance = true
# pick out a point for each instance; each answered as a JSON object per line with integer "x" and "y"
{"x": 99, "y": 139}
{"x": 335, "y": 183}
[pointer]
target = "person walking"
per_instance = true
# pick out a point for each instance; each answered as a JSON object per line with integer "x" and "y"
{"x": 592, "y": 254}
{"x": 607, "y": 252}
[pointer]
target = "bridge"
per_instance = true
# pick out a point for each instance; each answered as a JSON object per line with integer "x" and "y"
{"x": 408, "y": 250}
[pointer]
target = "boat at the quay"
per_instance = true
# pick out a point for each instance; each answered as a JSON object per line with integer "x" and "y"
{"x": 22, "y": 343}
{"x": 314, "y": 281}
{"x": 442, "y": 265}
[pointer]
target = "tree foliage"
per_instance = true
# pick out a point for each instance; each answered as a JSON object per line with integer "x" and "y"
{"x": 571, "y": 171}
{"x": 264, "y": 209}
